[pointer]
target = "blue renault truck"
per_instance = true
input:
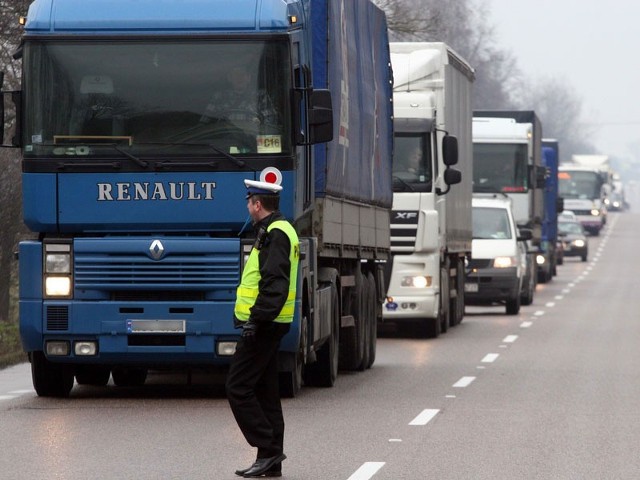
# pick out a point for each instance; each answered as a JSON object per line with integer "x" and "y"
{"x": 134, "y": 157}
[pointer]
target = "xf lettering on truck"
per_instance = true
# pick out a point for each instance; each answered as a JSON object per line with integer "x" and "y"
{"x": 406, "y": 216}
{"x": 136, "y": 191}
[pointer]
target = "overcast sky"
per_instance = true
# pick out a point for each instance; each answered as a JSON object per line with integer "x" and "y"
{"x": 593, "y": 45}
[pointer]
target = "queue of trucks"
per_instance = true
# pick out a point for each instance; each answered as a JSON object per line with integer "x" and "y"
{"x": 133, "y": 187}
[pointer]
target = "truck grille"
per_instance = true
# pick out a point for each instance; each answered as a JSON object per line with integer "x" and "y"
{"x": 404, "y": 228}
{"x": 118, "y": 266}
{"x": 57, "y": 318}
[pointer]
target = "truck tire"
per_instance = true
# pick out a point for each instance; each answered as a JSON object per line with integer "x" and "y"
{"x": 373, "y": 319}
{"x": 365, "y": 314}
{"x": 352, "y": 338}
{"x": 129, "y": 376}
{"x": 290, "y": 378}
{"x": 50, "y": 379}
{"x": 96, "y": 375}
{"x": 324, "y": 371}
{"x": 456, "y": 308}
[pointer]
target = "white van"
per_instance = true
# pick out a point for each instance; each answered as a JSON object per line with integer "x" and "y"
{"x": 497, "y": 267}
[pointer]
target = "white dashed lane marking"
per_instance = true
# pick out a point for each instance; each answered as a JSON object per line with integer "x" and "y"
{"x": 424, "y": 417}
{"x": 366, "y": 471}
{"x": 464, "y": 382}
{"x": 510, "y": 338}
{"x": 490, "y": 357}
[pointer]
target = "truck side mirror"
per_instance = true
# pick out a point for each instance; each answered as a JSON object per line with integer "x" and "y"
{"x": 320, "y": 117}
{"x": 450, "y": 150}
{"x": 452, "y": 176}
{"x": 525, "y": 234}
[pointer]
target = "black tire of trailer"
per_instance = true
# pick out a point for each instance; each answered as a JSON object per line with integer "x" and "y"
{"x": 324, "y": 371}
{"x": 129, "y": 376}
{"x": 50, "y": 379}
{"x": 373, "y": 319}
{"x": 290, "y": 377}
{"x": 352, "y": 338}
{"x": 96, "y": 375}
{"x": 364, "y": 314}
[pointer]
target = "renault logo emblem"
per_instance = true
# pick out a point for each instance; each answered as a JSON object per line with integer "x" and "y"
{"x": 156, "y": 249}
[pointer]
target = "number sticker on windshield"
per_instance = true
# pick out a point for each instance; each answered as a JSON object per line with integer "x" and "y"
{"x": 269, "y": 143}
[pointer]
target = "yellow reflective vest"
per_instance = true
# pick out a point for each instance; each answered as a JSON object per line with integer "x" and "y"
{"x": 247, "y": 291}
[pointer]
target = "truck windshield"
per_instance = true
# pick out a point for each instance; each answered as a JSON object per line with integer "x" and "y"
{"x": 491, "y": 223}
{"x": 577, "y": 184}
{"x": 412, "y": 163}
{"x": 500, "y": 167}
{"x": 234, "y": 97}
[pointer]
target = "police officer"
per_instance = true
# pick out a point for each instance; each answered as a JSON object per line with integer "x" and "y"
{"x": 264, "y": 310}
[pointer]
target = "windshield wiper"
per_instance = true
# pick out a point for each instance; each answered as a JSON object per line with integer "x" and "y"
{"x": 407, "y": 185}
{"x": 236, "y": 161}
{"x": 138, "y": 161}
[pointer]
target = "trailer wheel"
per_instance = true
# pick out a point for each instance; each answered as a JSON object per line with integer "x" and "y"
{"x": 364, "y": 315}
{"x": 93, "y": 375}
{"x": 50, "y": 379}
{"x": 352, "y": 338}
{"x": 373, "y": 319}
{"x": 291, "y": 378}
{"x": 324, "y": 371}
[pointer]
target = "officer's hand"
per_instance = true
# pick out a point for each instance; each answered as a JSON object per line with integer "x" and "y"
{"x": 249, "y": 330}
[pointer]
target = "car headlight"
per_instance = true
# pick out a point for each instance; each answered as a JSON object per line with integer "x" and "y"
{"x": 57, "y": 270}
{"x": 504, "y": 262}
{"x": 578, "y": 243}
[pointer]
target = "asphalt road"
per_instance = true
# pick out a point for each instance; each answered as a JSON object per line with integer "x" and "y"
{"x": 552, "y": 393}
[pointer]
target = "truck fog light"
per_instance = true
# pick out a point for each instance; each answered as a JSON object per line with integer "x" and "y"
{"x": 85, "y": 348}
{"x": 57, "y": 348}
{"x": 58, "y": 286}
{"x": 540, "y": 259}
{"x": 226, "y": 349}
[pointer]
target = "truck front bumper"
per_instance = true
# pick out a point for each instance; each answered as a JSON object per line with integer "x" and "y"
{"x": 407, "y": 307}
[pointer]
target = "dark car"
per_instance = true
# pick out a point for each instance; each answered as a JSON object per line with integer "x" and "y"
{"x": 574, "y": 240}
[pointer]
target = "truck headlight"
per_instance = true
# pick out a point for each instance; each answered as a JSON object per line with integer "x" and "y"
{"x": 540, "y": 260}
{"x": 595, "y": 212}
{"x": 57, "y": 270}
{"x": 504, "y": 262}
{"x": 418, "y": 281}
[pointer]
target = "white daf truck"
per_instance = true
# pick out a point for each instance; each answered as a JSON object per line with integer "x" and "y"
{"x": 432, "y": 174}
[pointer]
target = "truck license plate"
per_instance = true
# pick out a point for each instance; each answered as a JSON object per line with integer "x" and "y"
{"x": 156, "y": 326}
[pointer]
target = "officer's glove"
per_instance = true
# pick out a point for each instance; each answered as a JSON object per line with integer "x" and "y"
{"x": 237, "y": 323}
{"x": 249, "y": 330}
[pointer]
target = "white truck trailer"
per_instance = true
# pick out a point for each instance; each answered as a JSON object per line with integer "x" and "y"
{"x": 431, "y": 215}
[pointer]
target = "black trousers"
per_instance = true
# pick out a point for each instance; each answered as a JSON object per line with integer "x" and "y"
{"x": 253, "y": 390}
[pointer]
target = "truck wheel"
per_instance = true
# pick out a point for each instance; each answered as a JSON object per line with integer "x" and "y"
{"x": 129, "y": 376}
{"x": 364, "y": 315}
{"x": 291, "y": 378}
{"x": 352, "y": 338}
{"x": 373, "y": 319}
{"x": 324, "y": 371}
{"x": 456, "y": 307}
{"x": 50, "y": 379}
{"x": 92, "y": 375}
{"x": 441, "y": 325}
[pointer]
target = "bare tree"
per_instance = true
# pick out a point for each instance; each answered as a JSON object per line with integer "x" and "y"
{"x": 10, "y": 173}
{"x": 560, "y": 111}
